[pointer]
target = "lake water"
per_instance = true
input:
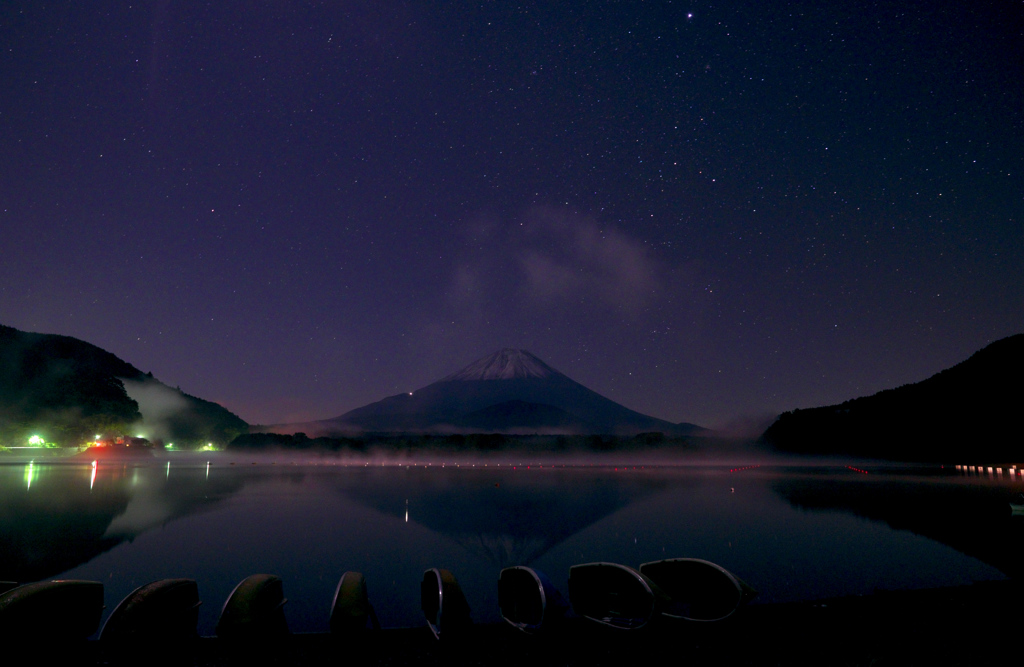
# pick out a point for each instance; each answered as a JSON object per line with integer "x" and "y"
{"x": 794, "y": 533}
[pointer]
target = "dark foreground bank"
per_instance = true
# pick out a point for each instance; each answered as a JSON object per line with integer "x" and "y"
{"x": 969, "y": 625}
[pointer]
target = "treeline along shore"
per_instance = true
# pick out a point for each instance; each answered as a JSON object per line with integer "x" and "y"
{"x": 410, "y": 443}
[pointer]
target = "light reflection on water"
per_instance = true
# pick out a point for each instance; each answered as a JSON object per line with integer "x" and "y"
{"x": 791, "y": 533}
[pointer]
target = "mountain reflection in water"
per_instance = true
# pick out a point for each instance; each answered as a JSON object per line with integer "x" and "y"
{"x": 55, "y": 516}
{"x": 970, "y": 514}
{"x": 132, "y": 523}
{"x": 507, "y": 519}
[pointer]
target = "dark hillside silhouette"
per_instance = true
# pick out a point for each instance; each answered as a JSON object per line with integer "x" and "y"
{"x": 67, "y": 385}
{"x": 969, "y": 410}
{"x": 70, "y": 390}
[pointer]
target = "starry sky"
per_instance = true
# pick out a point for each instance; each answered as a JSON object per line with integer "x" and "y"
{"x": 708, "y": 212}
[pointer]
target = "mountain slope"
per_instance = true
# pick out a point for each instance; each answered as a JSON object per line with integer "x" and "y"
{"x": 508, "y": 391}
{"x": 971, "y": 409}
{"x": 68, "y": 390}
{"x": 520, "y": 415}
{"x": 505, "y": 364}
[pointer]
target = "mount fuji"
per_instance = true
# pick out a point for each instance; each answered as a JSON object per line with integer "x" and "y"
{"x": 510, "y": 391}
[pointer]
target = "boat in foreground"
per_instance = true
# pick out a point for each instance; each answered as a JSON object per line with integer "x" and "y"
{"x": 443, "y": 604}
{"x": 699, "y": 590}
{"x": 55, "y": 611}
{"x": 614, "y": 595}
{"x": 527, "y": 599}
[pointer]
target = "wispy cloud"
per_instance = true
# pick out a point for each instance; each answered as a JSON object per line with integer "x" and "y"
{"x": 568, "y": 257}
{"x": 511, "y": 281}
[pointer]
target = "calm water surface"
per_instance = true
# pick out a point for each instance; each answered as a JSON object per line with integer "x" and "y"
{"x": 793, "y": 533}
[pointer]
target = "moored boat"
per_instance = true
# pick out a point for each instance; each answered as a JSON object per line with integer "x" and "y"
{"x": 443, "y": 604}
{"x": 254, "y": 610}
{"x": 527, "y": 599}
{"x": 351, "y": 610}
{"x": 164, "y": 611}
{"x": 56, "y": 611}
{"x": 699, "y": 590}
{"x": 614, "y": 595}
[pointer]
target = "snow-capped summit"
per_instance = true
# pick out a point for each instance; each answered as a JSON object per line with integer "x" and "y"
{"x": 506, "y": 364}
{"x": 510, "y": 391}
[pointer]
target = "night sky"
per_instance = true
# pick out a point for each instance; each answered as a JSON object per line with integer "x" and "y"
{"x": 703, "y": 211}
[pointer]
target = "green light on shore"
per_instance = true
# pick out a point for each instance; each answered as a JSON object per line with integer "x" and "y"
{"x": 36, "y": 441}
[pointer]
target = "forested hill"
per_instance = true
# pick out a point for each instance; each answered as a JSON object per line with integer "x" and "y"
{"x": 970, "y": 411}
{"x": 67, "y": 390}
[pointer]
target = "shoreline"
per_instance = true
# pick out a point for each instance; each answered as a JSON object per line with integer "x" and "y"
{"x": 977, "y": 624}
